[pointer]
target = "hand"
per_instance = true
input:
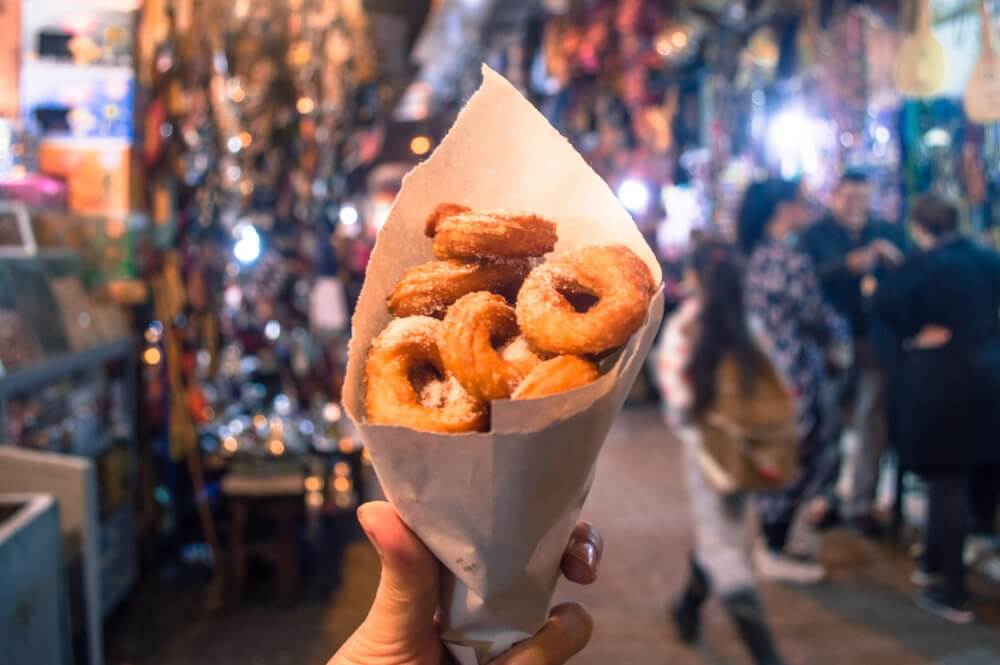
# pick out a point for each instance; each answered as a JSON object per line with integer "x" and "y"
{"x": 886, "y": 251}
{"x": 400, "y": 627}
{"x": 861, "y": 261}
{"x": 931, "y": 336}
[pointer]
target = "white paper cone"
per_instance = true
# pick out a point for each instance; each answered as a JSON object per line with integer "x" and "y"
{"x": 497, "y": 508}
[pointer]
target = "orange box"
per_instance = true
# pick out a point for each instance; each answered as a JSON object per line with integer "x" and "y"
{"x": 96, "y": 172}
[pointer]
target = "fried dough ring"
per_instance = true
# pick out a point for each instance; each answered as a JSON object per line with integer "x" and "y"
{"x": 519, "y": 353}
{"x": 490, "y": 234}
{"x": 618, "y": 279}
{"x": 471, "y": 328}
{"x": 404, "y": 352}
{"x": 557, "y": 375}
{"x": 428, "y": 289}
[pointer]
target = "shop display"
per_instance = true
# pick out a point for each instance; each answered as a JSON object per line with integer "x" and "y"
{"x": 920, "y": 64}
{"x": 18, "y": 345}
{"x": 77, "y": 313}
{"x": 982, "y": 94}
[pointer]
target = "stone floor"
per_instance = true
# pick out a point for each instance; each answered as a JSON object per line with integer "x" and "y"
{"x": 864, "y": 615}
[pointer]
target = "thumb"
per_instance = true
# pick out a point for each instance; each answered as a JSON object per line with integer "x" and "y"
{"x": 407, "y": 593}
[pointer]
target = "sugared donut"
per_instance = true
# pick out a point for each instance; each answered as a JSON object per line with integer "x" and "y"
{"x": 474, "y": 328}
{"x": 406, "y": 385}
{"x": 428, "y": 289}
{"x": 618, "y": 283}
{"x": 557, "y": 375}
{"x": 489, "y": 234}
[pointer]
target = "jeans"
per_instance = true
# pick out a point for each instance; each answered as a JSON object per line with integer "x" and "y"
{"x": 946, "y": 527}
{"x": 871, "y": 426}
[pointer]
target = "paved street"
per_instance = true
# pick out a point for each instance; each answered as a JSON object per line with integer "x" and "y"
{"x": 864, "y": 615}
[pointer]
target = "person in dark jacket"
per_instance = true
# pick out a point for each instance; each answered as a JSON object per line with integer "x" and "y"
{"x": 943, "y": 305}
{"x": 852, "y": 252}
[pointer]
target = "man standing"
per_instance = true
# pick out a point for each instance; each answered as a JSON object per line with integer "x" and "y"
{"x": 851, "y": 251}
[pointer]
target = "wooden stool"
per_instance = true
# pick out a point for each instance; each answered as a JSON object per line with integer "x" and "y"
{"x": 278, "y": 499}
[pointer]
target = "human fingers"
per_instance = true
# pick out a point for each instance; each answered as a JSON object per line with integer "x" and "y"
{"x": 583, "y": 554}
{"x": 565, "y": 634}
{"x": 407, "y": 592}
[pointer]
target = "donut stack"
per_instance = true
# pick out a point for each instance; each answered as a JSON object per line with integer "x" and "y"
{"x": 489, "y": 321}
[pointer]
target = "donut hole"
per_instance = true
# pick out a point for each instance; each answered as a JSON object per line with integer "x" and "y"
{"x": 428, "y": 381}
{"x": 579, "y": 299}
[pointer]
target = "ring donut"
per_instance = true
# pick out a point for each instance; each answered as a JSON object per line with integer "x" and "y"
{"x": 618, "y": 282}
{"x": 405, "y": 382}
{"x": 480, "y": 235}
{"x": 519, "y": 353}
{"x": 557, "y": 375}
{"x": 428, "y": 289}
{"x": 473, "y": 329}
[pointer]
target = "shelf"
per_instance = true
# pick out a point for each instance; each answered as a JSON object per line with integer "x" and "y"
{"x": 63, "y": 365}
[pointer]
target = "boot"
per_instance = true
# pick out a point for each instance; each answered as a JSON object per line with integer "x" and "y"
{"x": 746, "y": 612}
{"x": 686, "y": 608}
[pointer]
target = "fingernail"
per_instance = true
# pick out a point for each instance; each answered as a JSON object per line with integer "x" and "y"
{"x": 585, "y": 552}
{"x": 362, "y": 520}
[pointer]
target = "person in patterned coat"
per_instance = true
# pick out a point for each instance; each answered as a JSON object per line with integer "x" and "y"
{"x": 803, "y": 337}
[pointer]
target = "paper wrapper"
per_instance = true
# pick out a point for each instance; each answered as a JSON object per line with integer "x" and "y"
{"x": 497, "y": 508}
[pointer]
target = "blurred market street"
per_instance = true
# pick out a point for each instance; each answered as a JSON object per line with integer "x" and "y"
{"x": 863, "y": 615}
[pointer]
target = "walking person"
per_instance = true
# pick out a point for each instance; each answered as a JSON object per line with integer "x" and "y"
{"x": 803, "y": 336}
{"x": 736, "y": 421}
{"x": 943, "y": 305}
{"x": 851, "y": 253}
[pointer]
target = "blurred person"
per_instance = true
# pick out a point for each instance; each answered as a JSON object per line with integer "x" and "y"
{"x": 803, "y": 336}
{"x": 943, "y": 305}
{"x": 736, "y": 420}
{"x": 851, "y": 252}
{"x": 401, "y": 628}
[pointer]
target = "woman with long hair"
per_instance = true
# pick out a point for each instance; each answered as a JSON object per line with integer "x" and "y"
{"x": 732, "y": 412}
{"x": 800, "y": 333}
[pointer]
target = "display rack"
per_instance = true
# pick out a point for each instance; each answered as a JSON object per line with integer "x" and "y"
{"x": 116, "y": 528}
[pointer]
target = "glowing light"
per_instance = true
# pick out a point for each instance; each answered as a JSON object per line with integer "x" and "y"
{"x": 272, "y": 330}
{"x": 230, "y": 444}
{"x": 234, "y": 144}
{"x": 247, "y": 247}
{"x": 936, "y": 137}
{"x": 679, "y": 39}
{"x": 634, "y": 195}
{"x": 277, "y": 426}
{"x": 259, "y": 421}
{"x": 314, "y": 499}
{"x": 305, "y": 105}
{"x": 154, "y": 332}
{"x": 882, "y": 134}
{"x": 420, "y": 145}
{"x": 663, "y": 45}
{"x": 276, "y": 447}
{"x": 342, "y": 484}
{"x": 152, "y": 356}
{"x": 331, "y": 412}
{"x": 313, "y": 484}
{"x": 794, "y": 139}
{"x": 246, "y": 139}
{"x": 341, "y": 469}
{"x": 346, "y": 445}
{"x": 348, "y": 215}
